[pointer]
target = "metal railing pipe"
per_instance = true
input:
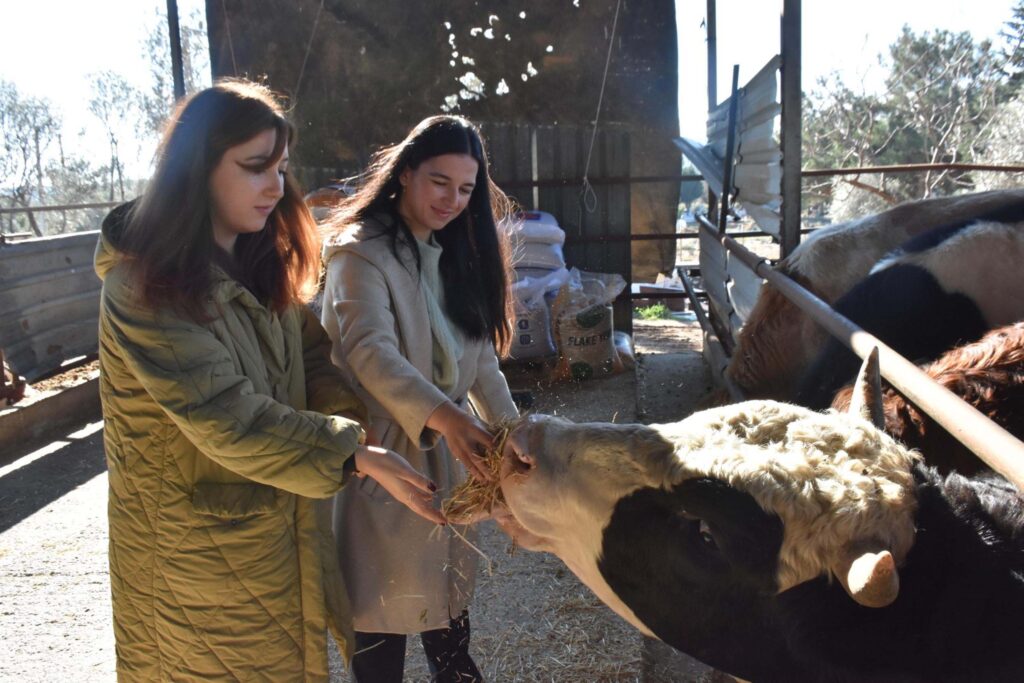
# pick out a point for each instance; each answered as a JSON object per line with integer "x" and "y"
{"x": 57, "y": 207}
{"x": 911, "y": 168}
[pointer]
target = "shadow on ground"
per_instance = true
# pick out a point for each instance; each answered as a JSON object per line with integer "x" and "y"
{"x": 47, "y": 474}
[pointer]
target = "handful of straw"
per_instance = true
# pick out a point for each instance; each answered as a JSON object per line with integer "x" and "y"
{"x": 472, "y": 499}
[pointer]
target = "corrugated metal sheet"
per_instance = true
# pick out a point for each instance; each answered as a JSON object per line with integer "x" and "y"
{"x": 731, "y": 286}
{"x": 714, "y": 275}
{"x": 757, "y": 174}
{"x": 49, "y": 302}
{"x": 744, "y": 286}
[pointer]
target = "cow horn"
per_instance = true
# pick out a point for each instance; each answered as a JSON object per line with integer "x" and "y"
{"x": 867, "y": 392}
{"x": 869, "y": 575}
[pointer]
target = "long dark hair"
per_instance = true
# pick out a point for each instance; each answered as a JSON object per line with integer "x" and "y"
{"x": 169, "y": 235}
{"x": 474, "y": 262}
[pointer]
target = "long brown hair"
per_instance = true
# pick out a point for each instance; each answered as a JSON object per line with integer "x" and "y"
{"x": 169, "y": 235}
{"x": 474, "y": 261}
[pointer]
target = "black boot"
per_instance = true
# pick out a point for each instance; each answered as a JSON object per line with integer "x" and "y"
{"x": 447, "y": 652}
{"x": 379, "y": 658}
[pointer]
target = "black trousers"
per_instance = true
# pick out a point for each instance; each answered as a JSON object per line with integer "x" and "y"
{"x": 380, "y": 657}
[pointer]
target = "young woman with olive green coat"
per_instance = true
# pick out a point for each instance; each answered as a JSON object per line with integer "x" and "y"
{"x": 215, "y": 456}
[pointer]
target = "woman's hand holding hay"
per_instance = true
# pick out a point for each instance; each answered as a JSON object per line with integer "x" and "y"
{"x": 475, "y": 499}
{"x": 466, "y": 437}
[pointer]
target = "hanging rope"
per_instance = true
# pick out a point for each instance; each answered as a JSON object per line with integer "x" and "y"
{"x": 305, "y": 58}
{"x": 231, "y": 46}
{"x": 587, "y": 195}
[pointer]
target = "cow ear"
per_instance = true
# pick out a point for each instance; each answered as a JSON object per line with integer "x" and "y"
{"x": 867, "y": 392}
{"x": 649, "y": 449}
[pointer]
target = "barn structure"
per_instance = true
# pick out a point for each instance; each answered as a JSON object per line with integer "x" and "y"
{"x": 533, "y": 73}
{"x": 579, "y": 104}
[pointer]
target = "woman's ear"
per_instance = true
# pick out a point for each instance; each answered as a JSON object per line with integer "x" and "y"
{"x": 403, "y": 177}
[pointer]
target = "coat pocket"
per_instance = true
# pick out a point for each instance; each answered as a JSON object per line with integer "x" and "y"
{"x": 233, "y": 501}
{"x": 236, "y": 572}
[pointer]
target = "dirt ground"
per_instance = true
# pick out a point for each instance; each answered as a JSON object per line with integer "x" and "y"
{"x": 531, "y": 619}
{"x": 54, "y": 591}
{"x": 76, "y": 374}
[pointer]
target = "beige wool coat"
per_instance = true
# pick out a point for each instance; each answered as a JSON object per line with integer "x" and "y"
{"x": 403, "y": 574}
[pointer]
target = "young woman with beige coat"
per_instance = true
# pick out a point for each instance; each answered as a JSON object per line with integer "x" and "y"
{"x": 416, "y": 302}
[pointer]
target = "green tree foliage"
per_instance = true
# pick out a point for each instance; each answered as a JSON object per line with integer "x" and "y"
{"x": 842, "y": 129}
{"x": 158, "y": 100}
{"x": 37, "y": 168}
{"x": 944, "y": 89}
{"x": 113, "y": 102}
{"x": 1013, "y": 52}
{"x": 27, "y": 129}
{"x": 942, "y": 93}
{"x": 41, "y": 164}
{"x": 1004, "y": 145}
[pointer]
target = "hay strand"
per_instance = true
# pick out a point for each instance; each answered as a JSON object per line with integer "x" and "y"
{"x": 490, "y": 565}
{"x": 473, "y": 500}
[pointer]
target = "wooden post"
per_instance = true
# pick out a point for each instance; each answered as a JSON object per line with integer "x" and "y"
{"x": 730, "y": 149}
{"x": 792, "y": 137}
{"x": 712, "y": 56}
{"x": 175, "y": 36}
{"x": 711, "y": 26}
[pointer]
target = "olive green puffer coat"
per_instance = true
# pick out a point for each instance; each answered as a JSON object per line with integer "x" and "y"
{"x": 221, "y": 565}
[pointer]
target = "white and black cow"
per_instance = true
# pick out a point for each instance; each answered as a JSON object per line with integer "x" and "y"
{"x": 779, "y": 341}
{"x": 780, "y": 544}
{"x": 940, "y": 289}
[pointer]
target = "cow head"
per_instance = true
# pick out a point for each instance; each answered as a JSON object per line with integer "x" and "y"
{"x": 563, "y": 480}
{"x": 775, "y": 343}
{"x": 685, "y": 529}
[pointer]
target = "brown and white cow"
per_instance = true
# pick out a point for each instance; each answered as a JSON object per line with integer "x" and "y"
{"x": 778, "y": 340}
{"x": 988, "y": 374}
{"x": 777, "y": 543}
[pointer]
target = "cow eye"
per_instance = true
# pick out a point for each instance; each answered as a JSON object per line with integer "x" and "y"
{"x": 705, "y": 535}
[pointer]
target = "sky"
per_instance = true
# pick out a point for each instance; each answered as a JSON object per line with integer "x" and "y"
{"x": 49, "y": 48}
{"x": 836, "y": 36}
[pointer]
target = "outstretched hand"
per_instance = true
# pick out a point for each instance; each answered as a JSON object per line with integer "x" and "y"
{"x": 467, "y": 438}
{"x": 400, "y": 479}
